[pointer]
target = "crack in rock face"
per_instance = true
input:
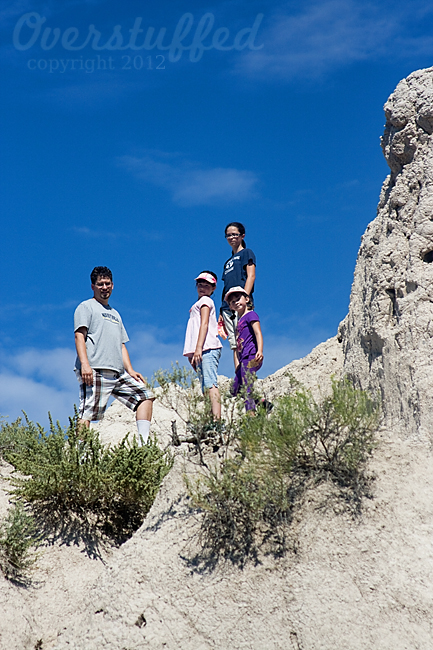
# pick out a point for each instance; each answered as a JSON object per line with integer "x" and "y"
{"x": 387, "y": 334}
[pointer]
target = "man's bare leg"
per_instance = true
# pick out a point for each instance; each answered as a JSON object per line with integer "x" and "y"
{"x": 144, "y": 410}
{"x": 82, "y": 426}
{"x": 143, "y": 416}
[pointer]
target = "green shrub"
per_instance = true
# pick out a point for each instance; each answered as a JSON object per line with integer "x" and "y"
{"x": 17, "y": 536}
{"x": 62, "y": 472}
{"x": 334, "y": 437}
{"x": 236, "y": 500}
{"x": 248, "y": 501}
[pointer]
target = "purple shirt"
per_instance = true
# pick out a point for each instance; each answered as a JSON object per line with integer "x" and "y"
{"x": 246, "y": 339}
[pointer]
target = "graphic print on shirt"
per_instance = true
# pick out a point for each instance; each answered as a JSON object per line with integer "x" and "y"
{"x": 230, "y": 264}
{"x": 110, "y": 318}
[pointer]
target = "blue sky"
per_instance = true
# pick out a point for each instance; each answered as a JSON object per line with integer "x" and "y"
{"x": 268, "y": 113}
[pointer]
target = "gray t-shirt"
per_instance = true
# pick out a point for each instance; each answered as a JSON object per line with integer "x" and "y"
{"x": 105, "y": 335}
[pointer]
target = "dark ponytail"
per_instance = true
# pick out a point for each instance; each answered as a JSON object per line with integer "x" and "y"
{"x": 240, "y": 227}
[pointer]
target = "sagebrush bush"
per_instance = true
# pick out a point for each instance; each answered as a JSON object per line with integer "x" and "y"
{"x": 334, "y": 437}
{"x": 17, "y": 536}
{"x": 236, "y": 500}
{"x": 61, "y": 471}
{"x": 276, "y": 458}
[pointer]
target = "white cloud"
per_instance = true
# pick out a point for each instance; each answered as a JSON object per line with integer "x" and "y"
{"x": 54, "y": 367}
{"x": 281, "y": 350}
{"x": 19, "y": 394}
{"x": 84, "y": 231}
{"x": 42, "y": 381}
{"x": 326, "y": 35}
{"x": 38, "y": 381}
{"x": 189, "y": 183}
{"x": 150, "y": 352}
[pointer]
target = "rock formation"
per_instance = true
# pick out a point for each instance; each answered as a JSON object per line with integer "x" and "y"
{"x": 387, "y": 335}
{"x": 351, "y": 584}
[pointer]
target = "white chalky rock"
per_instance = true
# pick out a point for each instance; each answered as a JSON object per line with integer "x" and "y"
{"x": 387, "y": 335}
{"x": 352, "y": 583}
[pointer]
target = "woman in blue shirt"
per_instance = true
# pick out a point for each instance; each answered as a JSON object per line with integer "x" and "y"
{"x": 239, "y": 271}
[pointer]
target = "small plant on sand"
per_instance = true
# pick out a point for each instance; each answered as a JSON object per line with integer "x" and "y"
{"x": 17, "y": 536}
{"x": 250, "y": 498}
{"x": 180, "y": 392}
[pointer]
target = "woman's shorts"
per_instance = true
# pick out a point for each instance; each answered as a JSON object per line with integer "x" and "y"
{"x": 208, "y": 368}
{"x": 231, "y": 325}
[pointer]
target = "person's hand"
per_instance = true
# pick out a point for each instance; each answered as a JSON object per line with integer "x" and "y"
{"x": 259, "y": 357}
{"x": 137, "y": 376}
{"x": 222, "y": 331}
{"x": 87, "y": 374}
{"x": 197, "y": 357}
{"x": 256, "y": 361}
{"x": 220, "y": 318}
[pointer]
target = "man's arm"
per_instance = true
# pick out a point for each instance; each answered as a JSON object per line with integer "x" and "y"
{"x": 80, "y": 344}
{"x": 128, "y": 367}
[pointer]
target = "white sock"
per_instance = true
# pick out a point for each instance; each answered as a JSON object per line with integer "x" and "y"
{"x": 143, "y": 427}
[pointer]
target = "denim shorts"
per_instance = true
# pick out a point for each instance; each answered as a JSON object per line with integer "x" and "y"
{"x": 207, "y": 369}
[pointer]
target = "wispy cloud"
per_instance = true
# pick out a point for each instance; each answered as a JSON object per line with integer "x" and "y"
{"x": 19, "y": 394}
{"x": 90, "y": 233}
{"x": 54, "y": 367}
{"x": 322, "y": 36}
{"x": 39, "y": 381}
{"x": 189, "y": 183}
{"x": 150, "y": 351}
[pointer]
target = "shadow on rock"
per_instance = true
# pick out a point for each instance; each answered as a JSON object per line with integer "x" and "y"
{"x": 95, "y": 531}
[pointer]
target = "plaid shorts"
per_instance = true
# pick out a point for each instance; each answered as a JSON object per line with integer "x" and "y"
{"x": 94, "y": 399}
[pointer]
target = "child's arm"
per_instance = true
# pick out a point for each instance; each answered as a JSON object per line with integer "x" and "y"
{"x": 259, "y": 338}
{"x": 204, "y": 324}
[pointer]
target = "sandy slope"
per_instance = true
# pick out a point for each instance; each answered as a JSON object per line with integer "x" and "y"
{"x": 352, "y": 584}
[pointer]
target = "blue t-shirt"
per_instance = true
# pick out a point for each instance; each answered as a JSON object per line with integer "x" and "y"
{"x": 235, "y": 272}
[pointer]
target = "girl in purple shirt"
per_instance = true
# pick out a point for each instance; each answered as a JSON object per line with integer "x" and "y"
{"x": 249, "y": 342}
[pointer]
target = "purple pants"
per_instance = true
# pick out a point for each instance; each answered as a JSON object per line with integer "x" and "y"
{"x": 243, "y": 377}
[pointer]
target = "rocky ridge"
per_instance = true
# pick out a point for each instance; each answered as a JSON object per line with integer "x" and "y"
{"x": 349, "y": 584}
{"x": 387, "y": 335}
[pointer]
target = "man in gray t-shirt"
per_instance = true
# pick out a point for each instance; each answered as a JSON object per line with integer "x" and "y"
{"x": 103, "y": 366}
